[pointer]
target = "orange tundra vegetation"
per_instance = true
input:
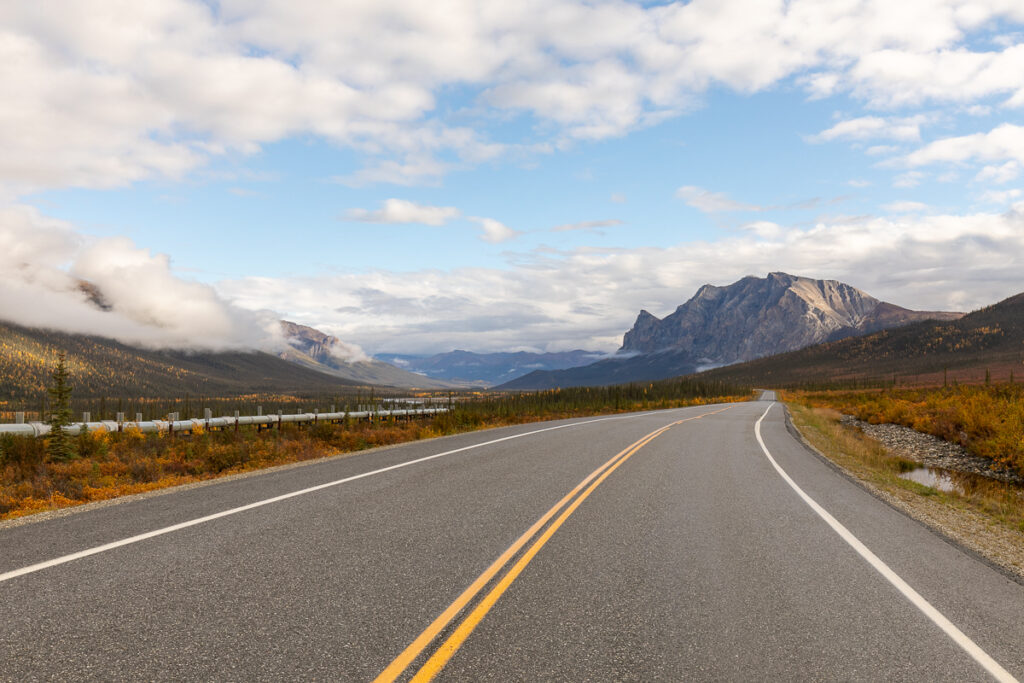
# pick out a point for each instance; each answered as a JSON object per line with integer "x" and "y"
{"x": 111, "y": 464}
{"x": 987, "y": 420}
{"x": 108, "y": 465}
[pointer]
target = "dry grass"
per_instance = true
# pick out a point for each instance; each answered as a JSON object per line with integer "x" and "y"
{"x": 987, "y": 420}
{"x": 109, "y": 465}
{"x": 871, "y": 462}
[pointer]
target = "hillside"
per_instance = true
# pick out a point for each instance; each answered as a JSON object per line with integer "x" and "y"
{"x": 748, "y": 319}
{"x": 103, "y": 367}
{"x": 990, "y": 340}
{"x": 324, "y": 353}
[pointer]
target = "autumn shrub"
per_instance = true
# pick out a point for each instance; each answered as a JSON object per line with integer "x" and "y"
{"x": 115, "y": 464}
{"x": 24, "y": 457}
{"x": 987, "y": 420}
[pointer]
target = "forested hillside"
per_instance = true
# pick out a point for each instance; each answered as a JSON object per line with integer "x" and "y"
{"x": 103, "y": 367}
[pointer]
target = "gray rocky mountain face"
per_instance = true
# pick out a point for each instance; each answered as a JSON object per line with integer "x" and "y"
{"x": 757, "y": 317}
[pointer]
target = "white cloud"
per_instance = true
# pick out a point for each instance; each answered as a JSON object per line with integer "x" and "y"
{"x": 618, "y": 198}
{"x": 905, "y": 207}
{"x": 873, "y": 127}
{"x": 1005, "y": 141}
{"x": 403, "y": 211}
{"x": 857, "y": 182}
{"x": 764, "y": 229}
{"x": 1003, "y": 197}
{"x": 43, "y": 262}
{"x": 590, "y": 297}
{"x": 711, "y": 202}
{"x": 899, "y": 77}
{"x": 98, "y": 95}
{"x": 587, "y": 225}
{"x": 494, "y": 231}
{"x": 999, "y": 174}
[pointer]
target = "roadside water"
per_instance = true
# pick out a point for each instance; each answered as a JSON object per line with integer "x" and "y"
{"x": 951, "y": 481}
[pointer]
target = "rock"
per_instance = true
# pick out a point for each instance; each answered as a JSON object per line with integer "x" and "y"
{"x": 757, "y": 317}
{"x": 932, "y": 451}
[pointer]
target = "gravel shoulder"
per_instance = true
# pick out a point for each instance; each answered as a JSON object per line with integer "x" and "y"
{"x": 932, "y": 451}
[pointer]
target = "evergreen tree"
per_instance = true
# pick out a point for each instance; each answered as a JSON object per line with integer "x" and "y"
{"x": 60, "y": 445}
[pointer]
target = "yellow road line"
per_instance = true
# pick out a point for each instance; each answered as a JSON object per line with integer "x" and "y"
{"x": 438, "y": 660}
{"x": 417, "y": 646}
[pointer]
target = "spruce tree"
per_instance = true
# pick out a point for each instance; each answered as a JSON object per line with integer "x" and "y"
{"x": 60, "y": 445}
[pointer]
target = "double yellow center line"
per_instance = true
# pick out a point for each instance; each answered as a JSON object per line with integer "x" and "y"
{"x": 442, "y": 654}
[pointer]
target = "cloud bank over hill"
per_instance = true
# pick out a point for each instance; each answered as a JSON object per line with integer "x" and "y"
{"x": 43, "y": 263}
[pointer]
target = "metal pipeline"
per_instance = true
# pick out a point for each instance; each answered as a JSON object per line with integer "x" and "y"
{"x": 41, "y": 428}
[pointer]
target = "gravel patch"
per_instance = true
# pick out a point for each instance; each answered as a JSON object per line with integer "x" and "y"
{"x": 932, "y": 451}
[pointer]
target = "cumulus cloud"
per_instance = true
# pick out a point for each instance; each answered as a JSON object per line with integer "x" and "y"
{"x": 1000, "y": 196}
{"x": 494, "y": 231}
{"x": 1005, "y": 141}
{"x": 100, "y": 97}
{"x": 591, "y": 296}
{"x": 999, "y": 174}
{"x": 711, "y": 202}
{"x": 403, "y": 211}
{"x": 43, "y": 263}
{"x": 873, "y": 127}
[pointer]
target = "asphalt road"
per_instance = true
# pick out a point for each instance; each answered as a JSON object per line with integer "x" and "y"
{"x": 688, "y": 557}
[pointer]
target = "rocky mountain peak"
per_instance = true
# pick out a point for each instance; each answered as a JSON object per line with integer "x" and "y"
{"x": 755, "y": 317}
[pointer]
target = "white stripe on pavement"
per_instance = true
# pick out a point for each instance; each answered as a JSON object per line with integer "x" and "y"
{"x": 959, "y": 637}
{"x": 39, "y": 566}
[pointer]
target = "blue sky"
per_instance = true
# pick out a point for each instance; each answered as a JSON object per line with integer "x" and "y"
{"x": 493, "y": 177}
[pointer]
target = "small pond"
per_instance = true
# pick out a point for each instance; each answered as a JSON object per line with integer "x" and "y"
{"x": 952, "y": 481}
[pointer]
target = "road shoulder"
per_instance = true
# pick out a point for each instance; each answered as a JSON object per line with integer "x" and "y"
{"x": 972, "y": 531}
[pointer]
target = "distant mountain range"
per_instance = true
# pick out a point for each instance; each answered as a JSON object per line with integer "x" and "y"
{"x": 772, "y": 331}
{"x": 487, "y": 369}
{"x": 104, "y": 367}
{"x": 313, "y": 349}
{"x": 986, "y": 343}
{"x": 751, "y": 318}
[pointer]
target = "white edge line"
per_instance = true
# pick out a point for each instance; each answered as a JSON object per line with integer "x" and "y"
{"x": 39, "y": 566}
{"x": 959, "y": 637}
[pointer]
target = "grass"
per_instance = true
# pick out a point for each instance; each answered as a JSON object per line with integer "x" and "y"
{"x": 869, "y": 461}
{"x": 108, "y": 465}
{"x": 987, "y": 420}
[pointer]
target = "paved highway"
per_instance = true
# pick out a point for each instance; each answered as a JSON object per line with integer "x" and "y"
{"x": 695, "y": 544}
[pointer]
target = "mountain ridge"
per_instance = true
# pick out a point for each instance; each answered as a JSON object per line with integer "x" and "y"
{"x": 984, "y": 344}
{"x": 721, "y": 325}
